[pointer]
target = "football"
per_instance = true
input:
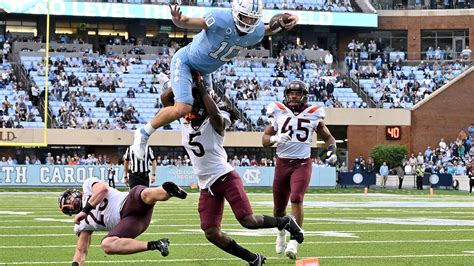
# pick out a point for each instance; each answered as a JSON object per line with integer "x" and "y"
{"x": 277, "y": 23}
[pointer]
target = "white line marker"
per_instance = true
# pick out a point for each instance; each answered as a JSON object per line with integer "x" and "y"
{"x": 271, "y": 243}
{"x": 235, "y": 259}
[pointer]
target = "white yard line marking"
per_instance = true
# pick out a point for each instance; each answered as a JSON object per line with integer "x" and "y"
{"x": 271, "y": 243}
{"x": 235, "y": 259}
{"x": 308, "y": 233}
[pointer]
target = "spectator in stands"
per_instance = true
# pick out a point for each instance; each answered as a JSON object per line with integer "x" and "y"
{"x": 466, "y": 53}
{"x": 235, "y": 162}
{"x": 100, "y": 103}
{"x": 328, "y": 59}
{"x": 130, "y": 93}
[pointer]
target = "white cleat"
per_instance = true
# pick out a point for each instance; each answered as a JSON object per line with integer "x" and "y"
{"x": 139, "y": 144}
{"x": 280, "y": 243}
{"x": 291, "y": 249}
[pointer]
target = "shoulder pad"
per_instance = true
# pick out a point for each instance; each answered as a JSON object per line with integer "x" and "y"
{"x": 316, "y": 110}
{"x": 274, "y": 108}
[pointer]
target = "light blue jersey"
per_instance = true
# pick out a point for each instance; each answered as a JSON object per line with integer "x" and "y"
{"x": 209, "y": 50}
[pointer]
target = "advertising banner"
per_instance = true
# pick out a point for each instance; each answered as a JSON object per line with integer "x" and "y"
{"x": 147, "y": 11}
{"x": 74, "y": 176}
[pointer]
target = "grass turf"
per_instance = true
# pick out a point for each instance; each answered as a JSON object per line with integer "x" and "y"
{"x": 349, "y": 234}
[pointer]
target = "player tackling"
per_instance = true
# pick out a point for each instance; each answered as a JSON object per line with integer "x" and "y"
{"x": 203, "y": 137}
{"x": 292, "y": 124}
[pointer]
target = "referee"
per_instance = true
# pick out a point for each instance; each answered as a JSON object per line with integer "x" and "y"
{"x": 136, "y": 172}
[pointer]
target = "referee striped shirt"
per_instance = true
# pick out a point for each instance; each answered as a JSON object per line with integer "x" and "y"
{"x": 137, "y": 166}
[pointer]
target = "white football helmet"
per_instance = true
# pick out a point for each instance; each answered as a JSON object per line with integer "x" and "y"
{"x": 252, "y": 9}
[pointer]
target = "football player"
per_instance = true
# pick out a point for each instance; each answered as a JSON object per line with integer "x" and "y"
{"x": 292, "y": 124}
{"x": 125, "y": 215}
{"x": 203, "y": 137}
{"x": 224, "y": 32}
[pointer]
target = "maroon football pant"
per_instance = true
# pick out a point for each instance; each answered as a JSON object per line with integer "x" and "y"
{"x": 290, "y": 182}
{"x": 135, "y": 215}
{"x": 211, "y": 201}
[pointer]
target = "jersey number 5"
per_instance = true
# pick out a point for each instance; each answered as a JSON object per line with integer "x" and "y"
{"x": 220, "y": 53}
{"x": 301, "y": 126}
{"x": 200, "y": 151}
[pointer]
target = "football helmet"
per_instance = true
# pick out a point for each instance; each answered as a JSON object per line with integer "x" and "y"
{"x": 70, "y": 202}
{"x": 297, "y": 85}
{"x": 247, "y": 14}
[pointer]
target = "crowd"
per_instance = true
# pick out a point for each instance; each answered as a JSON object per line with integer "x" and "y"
{"x": 422, "y": 4}
{"x": 316, "y": 5}
{"x": 453, "y": 157}
{"x": 393, "y": 86}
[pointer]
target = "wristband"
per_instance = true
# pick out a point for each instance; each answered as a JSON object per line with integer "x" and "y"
{"x": 332, "y": 147}
{"x": 273, "y": 139}
{"x": 75, "y": 264}
{"x": 88, "y": 208}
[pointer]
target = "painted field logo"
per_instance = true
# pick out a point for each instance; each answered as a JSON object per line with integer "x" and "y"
{"x": 434, "y": 179}
{"x": 357, "y": 178}
{"x": 252, "y": 176}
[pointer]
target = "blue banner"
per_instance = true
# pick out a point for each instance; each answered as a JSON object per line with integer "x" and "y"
{"x": 74, "y": 176}
{"x": 438, "y": 180}
{"x": 357, "y": 179}
{"x": 118, "y": 10}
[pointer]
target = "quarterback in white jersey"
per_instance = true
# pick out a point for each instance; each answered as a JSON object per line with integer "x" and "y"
{"x": 293, "y": 123}
{"x": 203, "y": 137}
{"x": 125, "y": 215}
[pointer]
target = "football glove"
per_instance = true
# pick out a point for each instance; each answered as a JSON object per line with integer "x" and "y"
{"x": 331, "y": 157}
{"x": 281, "y": 138}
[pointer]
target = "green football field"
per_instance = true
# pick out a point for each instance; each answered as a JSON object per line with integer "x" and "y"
{"x": 342, "y": 227}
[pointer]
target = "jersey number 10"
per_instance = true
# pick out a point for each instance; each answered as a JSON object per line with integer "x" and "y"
{"x": 220, "y": 53}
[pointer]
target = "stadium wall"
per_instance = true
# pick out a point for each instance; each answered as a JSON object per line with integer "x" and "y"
{"x": 444, "y": 114}
{"x": 362, "y": 139}
{"x": 416, "y": 20}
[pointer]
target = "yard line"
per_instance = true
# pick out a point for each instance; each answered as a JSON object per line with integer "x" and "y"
{"x": 306, "y": 232}
{"x": 236, "y": 259}
{"x": 272, "y": 242}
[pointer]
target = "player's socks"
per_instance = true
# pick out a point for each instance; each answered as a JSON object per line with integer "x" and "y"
{"x": 149, "y": 129}
{"x": 238, "y": 251}
{"x": 271, "y": 222}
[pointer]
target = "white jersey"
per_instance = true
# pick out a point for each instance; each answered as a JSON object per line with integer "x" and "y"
{"x": 302, "y": 127}
{"x": 106, "y": 215}
{"x": 206, "y": 150}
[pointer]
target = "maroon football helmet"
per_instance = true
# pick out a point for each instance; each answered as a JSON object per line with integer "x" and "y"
{"x": 70, "y": 202}
{"x": 295, "y": 103}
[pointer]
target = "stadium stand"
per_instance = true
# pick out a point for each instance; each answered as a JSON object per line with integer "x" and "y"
{"x": 17, "y": 109}
{"x": 316, "y": 5}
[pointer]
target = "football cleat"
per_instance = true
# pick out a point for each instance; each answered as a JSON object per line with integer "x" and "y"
{"x": 174, "y": 190}
{"x": 295, "y": 230}
{"x": 280, "y": 243}
{"x": 162, "y": 246}
{"x": 291, "y": 249}
{"x": 260, "y": 260}
{"x": 140, "y": 141}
